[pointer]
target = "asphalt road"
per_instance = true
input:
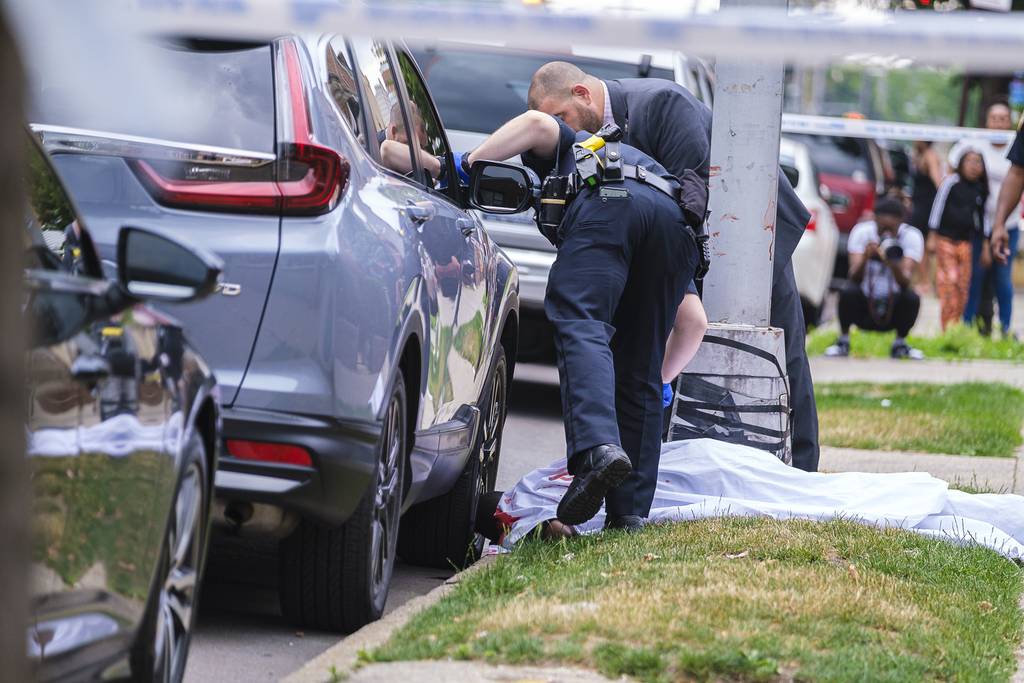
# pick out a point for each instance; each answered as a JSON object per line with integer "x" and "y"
{"x": 241, "y": 635}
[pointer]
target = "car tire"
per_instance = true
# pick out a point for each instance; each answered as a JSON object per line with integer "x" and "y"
{"x": 440, "y": 532}
{"x": 161, "y": 652}
{"x": 337, "y": 578}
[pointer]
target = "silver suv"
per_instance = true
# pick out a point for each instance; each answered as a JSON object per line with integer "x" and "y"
{"x": 365, "y": 332}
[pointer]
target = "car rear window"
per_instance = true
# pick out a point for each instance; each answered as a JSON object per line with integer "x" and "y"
{"x": 199, "y": 92}
{"x": 838, "y": 155}
{"x": 477, "y": 90}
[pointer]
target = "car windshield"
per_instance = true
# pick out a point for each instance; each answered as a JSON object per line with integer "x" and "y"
{"x": 477, "y": 90}
{"x": 838, "y": 156}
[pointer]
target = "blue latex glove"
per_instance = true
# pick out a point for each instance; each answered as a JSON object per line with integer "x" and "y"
{"x": 463, "y": 176}
{"x": 666, "y": 395}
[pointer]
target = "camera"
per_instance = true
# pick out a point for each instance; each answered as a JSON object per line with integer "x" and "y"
{"x": 891, "y": 249}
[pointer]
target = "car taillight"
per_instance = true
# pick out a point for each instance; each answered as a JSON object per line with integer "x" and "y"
{"x": 312, "y": 179}
{"x": 813, "y": 223}
{"x": 269, "y": 452}
{"x": 198, "y": 186}
{"x": 303, "y": 179}
{"x": 311, "y": 176}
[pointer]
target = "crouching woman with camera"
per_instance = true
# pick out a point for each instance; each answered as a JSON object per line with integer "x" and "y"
{"x": 883, "y": 254}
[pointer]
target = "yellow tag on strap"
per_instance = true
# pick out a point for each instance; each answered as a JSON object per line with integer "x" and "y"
{"x": 593, "y": 143}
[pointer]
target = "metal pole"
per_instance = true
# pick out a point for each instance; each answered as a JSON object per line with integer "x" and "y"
{"x": 744, "y": 185}
{"x": 737, "y": 292}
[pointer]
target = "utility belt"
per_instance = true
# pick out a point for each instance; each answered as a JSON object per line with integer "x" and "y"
{"x": 558, "y": 192}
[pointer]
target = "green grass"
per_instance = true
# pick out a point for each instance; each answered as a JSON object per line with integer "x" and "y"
{"x": 957, "y": 343}
{"x": 92, "y": 510}
{"x": 735, "y": 599}
{"x": 957, "y": 419}
{"x": 469, "y": 340}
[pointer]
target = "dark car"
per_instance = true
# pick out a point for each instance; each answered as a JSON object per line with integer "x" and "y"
{"x": 122, "y": 437}
{"x": 365, "y": 332}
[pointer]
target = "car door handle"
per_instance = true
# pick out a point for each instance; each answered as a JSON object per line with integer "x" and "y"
{"x": 90, "y": 369}
{"x": 466, "y": 224}
{"x": 419, "y": 212}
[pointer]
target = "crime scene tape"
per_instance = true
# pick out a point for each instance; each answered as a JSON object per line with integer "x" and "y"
{"x": 889, "y": 130}
{"x": 968, "y": 39}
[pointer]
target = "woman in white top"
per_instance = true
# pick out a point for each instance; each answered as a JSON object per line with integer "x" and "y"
{"x": 988, "y": 278}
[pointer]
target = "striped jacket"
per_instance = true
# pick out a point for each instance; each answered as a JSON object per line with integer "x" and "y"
{"x": 958, "y": 211}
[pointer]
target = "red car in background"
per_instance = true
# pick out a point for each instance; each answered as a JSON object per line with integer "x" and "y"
{"x": 853, "y": 172}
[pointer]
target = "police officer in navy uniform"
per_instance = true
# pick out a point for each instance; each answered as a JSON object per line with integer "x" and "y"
{"x": 664, "y": 120}
{"x": 626, "y": 254}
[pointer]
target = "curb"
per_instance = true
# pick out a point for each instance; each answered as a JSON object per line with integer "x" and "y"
{"x": 340, "y": 660}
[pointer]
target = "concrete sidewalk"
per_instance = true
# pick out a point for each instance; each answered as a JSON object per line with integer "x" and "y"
{"x": 934, "y": 371}
{"x": 999, "y": 475}
{"x": 464, "y": 672}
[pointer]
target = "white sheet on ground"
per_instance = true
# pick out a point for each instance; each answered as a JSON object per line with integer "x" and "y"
{"x": 707, "y": 478}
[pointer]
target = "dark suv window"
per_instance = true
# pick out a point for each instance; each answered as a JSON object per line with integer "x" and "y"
{"x": 341, "y": 85}
{"x": 838, "y": 156}
{"x": 477, "y": 90}
{"x": 201, "y": 92}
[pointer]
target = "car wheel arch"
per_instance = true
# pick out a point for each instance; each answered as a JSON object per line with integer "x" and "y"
{"x": 408, "y": 358}
{"x": 509, "y": 339}
{"x": 207, "y": 423}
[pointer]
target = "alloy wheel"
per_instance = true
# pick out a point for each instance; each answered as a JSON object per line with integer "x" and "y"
{"x": 495, "y": 422}
{"x": 178, "y": 592}
{"x": 388, "y": 497}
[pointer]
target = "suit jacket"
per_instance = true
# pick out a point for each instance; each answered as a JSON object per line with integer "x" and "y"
{"x": 665, "y": 120}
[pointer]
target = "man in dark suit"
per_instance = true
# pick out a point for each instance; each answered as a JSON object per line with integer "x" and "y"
{"x": 666, "y": 121}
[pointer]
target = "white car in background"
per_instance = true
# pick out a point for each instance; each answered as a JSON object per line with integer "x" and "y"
{"x": 815, "y": 256}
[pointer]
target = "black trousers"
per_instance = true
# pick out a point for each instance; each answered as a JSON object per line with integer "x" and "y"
{"x": 622, "y": 269}
{"x": 855, "y": 309}
{"x": 788, "y": 314}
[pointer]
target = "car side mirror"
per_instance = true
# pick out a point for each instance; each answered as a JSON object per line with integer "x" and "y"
{"x": 792, "y": 174}
{"x": 154, "y": 267}
{"x": 500, "y": 188}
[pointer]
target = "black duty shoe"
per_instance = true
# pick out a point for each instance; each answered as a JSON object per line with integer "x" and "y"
{"x": 598, "y": 470}
{"x": 625, "y": 522}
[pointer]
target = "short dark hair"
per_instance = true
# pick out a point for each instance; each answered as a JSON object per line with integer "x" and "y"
{"x": 887, "y": 206}
{"x": 551, "y": 79}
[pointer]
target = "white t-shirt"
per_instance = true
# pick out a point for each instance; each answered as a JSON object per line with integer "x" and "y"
{"x": 996, "y": 166}
{"x": 879, "y": 282}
